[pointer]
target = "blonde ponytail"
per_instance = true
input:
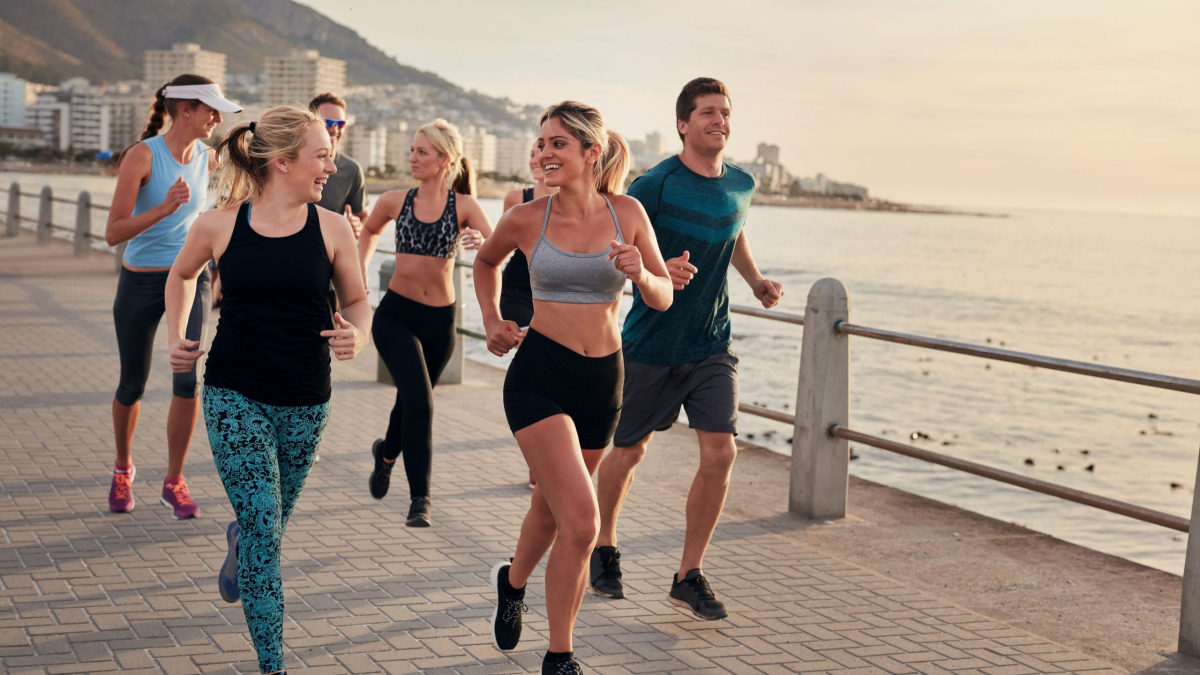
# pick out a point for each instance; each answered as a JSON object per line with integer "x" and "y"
{"x": 445, "y": 138}
{"x": 246, "y": 154}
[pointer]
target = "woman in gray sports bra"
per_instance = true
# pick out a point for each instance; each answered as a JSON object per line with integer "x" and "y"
{"x": 562, "y": 394}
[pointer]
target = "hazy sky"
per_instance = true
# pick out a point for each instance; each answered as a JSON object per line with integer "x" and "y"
{"x": 1075, "y": 104}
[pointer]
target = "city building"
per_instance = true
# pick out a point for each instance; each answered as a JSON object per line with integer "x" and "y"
{"x": 654, "y": 144}
{"x": 399, "y": 146}
{"x": 480, "y": 147}
{"x": 52, "y": 118}
{"x": 512, "y": 155}
{"x": 164, "y": 65}
{"x": 368, "y": 145}
{"x": 12, "y": 100}
{"x": 768, "y": 154}
{"x": 22, "y": 137}
{"x": 301, "y": 75}
{"x": 88, "y": 114}
{"x": 128, "y": 111}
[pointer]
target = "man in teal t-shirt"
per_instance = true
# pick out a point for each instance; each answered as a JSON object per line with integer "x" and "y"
{"x": 698, "y": 204}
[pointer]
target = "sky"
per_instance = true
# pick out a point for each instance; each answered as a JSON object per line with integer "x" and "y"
{"x": 1089, "y": 105}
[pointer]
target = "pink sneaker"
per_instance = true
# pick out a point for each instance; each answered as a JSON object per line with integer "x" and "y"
{"x": 120, "y": 494}
{"x": 176, "y": 496}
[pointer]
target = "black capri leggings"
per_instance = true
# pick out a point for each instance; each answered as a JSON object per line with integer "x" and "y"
{"x": 415, "y": 342}
{"x": 546, "y": 379}
{"x": 137, "y": 311}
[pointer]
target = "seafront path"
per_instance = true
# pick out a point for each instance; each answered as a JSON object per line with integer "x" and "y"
{"x": 903, "y": 585}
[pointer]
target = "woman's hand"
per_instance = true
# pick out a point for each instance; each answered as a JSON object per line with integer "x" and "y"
{"x": 345, "y": 341}
{"x": 628, "y": 260}
{"x": 177, "y": 195}
{"x": 503, "y": 336}
{"x": 472, "y": 239}
{"x": 184, "y": 354}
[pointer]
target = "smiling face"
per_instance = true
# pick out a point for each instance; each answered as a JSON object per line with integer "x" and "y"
{"x": 197, "y": 118}
{"x": 562, "y": 156}
{"x": 424, "y": 160}
{"x": 535, "y": 165}
{"x": 332, "y": 111}
{"x": 706, "y": 131}
{"x": 306, "y": 175}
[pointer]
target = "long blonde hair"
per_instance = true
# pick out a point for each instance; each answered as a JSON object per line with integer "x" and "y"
{"x": 446, "y": 139}
{"x": 587, "y": 125}
{"x": 246, "y": 154}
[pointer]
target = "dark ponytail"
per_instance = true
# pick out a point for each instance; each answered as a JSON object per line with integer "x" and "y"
{"x": 165, "y": 107}
{"x": 465, "y": 183}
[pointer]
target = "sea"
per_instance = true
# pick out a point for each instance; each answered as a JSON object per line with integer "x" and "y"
{"x": 1115, "y": 289}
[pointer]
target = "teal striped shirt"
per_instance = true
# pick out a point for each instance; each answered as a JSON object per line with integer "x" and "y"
{"x": 703, "y": 216}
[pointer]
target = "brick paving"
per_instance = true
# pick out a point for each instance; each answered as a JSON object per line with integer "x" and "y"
{"x": 83, "y": 590}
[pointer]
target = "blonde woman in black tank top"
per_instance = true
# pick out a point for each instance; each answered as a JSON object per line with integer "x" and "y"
{"x": 414, "y": 323}
{"x": 563, "y": 389}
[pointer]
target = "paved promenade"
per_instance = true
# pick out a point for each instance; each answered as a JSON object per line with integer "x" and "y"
{"x": 83, "y": 590}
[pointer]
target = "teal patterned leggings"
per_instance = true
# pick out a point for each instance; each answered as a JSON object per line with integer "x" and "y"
{"x": 263, "y": 454}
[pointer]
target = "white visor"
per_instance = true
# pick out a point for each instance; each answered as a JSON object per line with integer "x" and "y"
{"x": 208, "y": 94}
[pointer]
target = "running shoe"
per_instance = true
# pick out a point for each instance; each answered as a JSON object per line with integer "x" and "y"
{"x": 560, "y": 665}
{"x": 694, "y": 593}
{"x": 381, "y": 475}
{"x": 176, "y": 496}
{"x": 227, "y": 579}
{"x": 418, "y": 513}
{"x": 532, "y": 482}
{"x": 605, "y": 573}
{"x": 510, "y": 604}
{"x": 120, "y": 493}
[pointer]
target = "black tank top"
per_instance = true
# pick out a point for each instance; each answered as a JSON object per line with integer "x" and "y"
{"x": 516, "y": 300}
{"x": 268, "y": 345}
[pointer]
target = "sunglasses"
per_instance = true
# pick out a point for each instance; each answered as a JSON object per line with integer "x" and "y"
{"x": 329, "y": 124}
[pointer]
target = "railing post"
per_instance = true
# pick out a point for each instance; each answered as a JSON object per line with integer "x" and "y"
{"x": 83, "y": 225}
{"x": 13, "y": 221}
{"x": 45, "y": 216}
{"x": 1189, "y": 611}
{"x": 453, "y": 374}
{"x": 386, "y": 270}
{"x": 821, "y": 462}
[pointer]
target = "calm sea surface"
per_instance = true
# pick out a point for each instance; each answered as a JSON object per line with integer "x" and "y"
{"x": 1114, "y": 289}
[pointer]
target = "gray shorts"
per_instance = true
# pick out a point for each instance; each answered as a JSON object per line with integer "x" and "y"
{"x": 707, "y": 389}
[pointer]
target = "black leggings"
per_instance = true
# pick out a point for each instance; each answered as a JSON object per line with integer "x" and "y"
{"x": 415, "y": 342}
{"x": 137, "y": 311}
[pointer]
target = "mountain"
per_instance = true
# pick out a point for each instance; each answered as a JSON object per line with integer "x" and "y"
{"x": 50, "y": 40}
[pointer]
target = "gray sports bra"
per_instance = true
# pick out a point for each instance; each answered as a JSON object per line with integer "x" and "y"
{"x": 556, "y": 275}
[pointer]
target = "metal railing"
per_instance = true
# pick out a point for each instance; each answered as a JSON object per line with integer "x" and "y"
{"x": 45, "y": 226}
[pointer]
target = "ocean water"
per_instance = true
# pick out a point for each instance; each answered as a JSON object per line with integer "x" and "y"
{"x": 1113, "y": 289}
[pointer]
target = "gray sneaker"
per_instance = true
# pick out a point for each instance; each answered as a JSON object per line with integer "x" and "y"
{"x": 605, "y": 572}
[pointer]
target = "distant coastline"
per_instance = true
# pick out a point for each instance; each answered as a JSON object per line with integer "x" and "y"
{"x": 823, "y": 202}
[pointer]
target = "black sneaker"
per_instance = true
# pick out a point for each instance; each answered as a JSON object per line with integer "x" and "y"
{"x": 510, "y": 604}
{"x": 381, "y": 476}
{"x": 694, "y": 594}
{"x": 605, "y": 573}
{"x": 560, "y": 665}
{"x": 418, "y": 513}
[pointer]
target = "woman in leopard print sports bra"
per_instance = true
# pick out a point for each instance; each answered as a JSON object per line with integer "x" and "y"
{"x": 414, "y": 323}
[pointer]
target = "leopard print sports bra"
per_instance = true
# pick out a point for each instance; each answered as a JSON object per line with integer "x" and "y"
{"x": 438, "y": 239}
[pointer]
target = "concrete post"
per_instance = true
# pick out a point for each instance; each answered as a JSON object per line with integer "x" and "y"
{"x": 45, "y": 216}
{"x": 1189, "y": 611}
{"x": 13, "y": 220}
{"x": 386, "y": 270}
{"x": 83, "y": 225}
{"x": 453, "y": 374}
{"x": 820, "y": 462}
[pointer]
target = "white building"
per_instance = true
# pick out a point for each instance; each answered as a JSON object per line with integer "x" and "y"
{"x": 53, "y": 118}
{"x": 22, "y": 137}
{"x": 12, "y": 100}
{"x": 480, "y": 147}
{"x": 128, "y": 111}
{"x": 399, "y": 146}
{"x": 768, "y": 154}
{"x": 164, "y": 65}
{"x": 301, "y": 75}
{"x": 512, "y": 154}
{"x": 368, "y": 145}
{"x": 88, "y": 115}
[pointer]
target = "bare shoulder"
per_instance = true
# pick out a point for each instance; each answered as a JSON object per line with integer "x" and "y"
{"x": 391, "y": 201}
{"x": 527, "y": 214}
{"x": 138, "y": 159}
{"x": 333, "y": 223}
{"x": 513, "y": 197}
{"x": 624, "y": 204}
{"x": 466, "y": 201}
{"x": 217, "y": 220}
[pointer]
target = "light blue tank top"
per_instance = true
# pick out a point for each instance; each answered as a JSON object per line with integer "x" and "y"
{"x": 158, "y": 245}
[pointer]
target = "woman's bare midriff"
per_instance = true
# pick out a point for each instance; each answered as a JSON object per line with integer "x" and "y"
{"x": 424, "y": 279}
{"x": 590, "y": 330}
{"x": 131, "y": 268}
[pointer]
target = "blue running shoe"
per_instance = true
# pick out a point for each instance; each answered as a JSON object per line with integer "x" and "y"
{"x": 227, "y": 580}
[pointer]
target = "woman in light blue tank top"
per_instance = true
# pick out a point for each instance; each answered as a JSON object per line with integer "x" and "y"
{"x": 161, "y": 188}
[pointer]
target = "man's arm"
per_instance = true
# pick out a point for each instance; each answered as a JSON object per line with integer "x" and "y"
{"x": 766, "y": 291}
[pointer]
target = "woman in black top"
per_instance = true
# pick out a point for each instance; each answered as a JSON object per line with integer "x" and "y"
{"x": 266, "y": 385}
{"x": 516, "y": 300}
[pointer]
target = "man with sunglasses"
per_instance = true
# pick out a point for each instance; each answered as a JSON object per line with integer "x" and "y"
{"x": 345, "y": 191}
